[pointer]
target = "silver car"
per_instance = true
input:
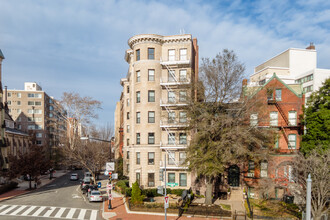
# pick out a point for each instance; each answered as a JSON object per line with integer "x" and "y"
{"x": 95, "y": 196}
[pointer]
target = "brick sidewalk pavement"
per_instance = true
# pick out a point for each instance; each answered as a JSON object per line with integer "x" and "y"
{"x": 121, "y": 213}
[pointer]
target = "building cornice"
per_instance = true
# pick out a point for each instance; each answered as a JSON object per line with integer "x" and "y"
{"x": 158, "y": 39}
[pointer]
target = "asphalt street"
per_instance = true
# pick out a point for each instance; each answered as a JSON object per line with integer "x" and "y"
{"x": 60, "y": 199}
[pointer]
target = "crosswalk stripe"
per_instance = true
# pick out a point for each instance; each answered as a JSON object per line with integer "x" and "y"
{"x": 8, "y": 210}
{"x": 3, "y": 206}
{"x": 93, "y": 215}
{"x": 71, "y": 213}
{"x": 82, "y": 214}
{"x": 29, "y": 210}
{"x": 18, "y": 210}
{"x": 39, "y": 211}
{"x": 49, "y": 212}
{"x": 59, "y": 213}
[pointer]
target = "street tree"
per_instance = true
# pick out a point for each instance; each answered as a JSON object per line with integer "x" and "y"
{"x": 317, "y": 120}
{"x": 316, "y": 163}
{"x": 221, "y": 133}
{"x": 94, "y": 151}
{"x": 32, "y": 163}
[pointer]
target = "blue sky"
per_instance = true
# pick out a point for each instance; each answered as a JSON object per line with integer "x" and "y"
{"x": 79, "y": 45}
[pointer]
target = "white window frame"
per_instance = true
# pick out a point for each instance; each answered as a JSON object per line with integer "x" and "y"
{"x": 183, "y": 54}
{"x": 171, "y": 55}
{"x": 273, "y": 118}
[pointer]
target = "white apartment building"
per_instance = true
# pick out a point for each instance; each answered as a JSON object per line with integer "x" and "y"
{"x": 293, "y": 66}
{"x": 151, "y": 115}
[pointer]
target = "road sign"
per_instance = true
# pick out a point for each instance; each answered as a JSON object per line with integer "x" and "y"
{"x": 110, "y": 197}
{"x": 115, "y": 176}
{"x": 172, "y": 184}
{"x": 109, "y": 186}
{"x": 106, "y": 173}
{"x": 166, "y": 202}
{"x": 110, "y": 166}
{"x": 160, "y": 190}
{"x": 99, "y": 184}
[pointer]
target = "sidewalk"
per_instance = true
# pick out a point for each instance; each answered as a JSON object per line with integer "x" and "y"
{"x": 120, "y": 211}
{"x": 23, "y": 187}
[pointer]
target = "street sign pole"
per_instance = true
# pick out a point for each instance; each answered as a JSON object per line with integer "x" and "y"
{"x": 165, "y": 194}
{"x": 110, "y": 178}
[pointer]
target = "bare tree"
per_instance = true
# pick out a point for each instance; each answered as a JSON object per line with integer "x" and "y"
{"x": 222, "y": 135}
{"x": 317, "y": 163}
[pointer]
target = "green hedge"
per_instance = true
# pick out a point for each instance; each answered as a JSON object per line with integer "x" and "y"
{"x": 8, "y": 187}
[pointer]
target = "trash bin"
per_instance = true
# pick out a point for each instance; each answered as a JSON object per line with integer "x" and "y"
{"x": 288, "y": 199}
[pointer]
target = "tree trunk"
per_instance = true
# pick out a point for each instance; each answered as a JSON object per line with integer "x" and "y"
{"x": 209, "y": 190}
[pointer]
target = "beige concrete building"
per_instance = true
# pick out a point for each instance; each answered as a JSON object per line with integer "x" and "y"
{"x": 293, "y": 66}
{"x": 152, "y": 107}
{"x": 34, "y": 111}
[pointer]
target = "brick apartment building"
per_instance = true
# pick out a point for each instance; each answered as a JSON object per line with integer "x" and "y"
{"x": 150, "y": 119}
{"x": 34, "y": 111}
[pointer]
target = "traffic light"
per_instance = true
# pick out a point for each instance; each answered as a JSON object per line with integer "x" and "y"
{"x": 110, "y": 175}
{"x": 161, "y": 175}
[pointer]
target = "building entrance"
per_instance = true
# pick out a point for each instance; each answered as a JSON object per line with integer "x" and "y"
{"x": 233, "y": 176}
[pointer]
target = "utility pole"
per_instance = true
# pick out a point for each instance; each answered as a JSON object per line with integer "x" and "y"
{"x": 165, "y": 186}
{"x": 308, "y": 197}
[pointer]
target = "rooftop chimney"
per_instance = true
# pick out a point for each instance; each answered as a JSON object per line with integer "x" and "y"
{"x": 311, "y": 46}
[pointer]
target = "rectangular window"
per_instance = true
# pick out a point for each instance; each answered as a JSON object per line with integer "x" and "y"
{"x": 138, "y": 76}
{"x": 138, "y": 138}
{"x": 151, "y": 158}
{"x": 137, "y": 55}
{"x": 171, "y": 97}
{"x": 19, "y": 95}
{"x": 38, "y": 127}
{"x": 138, "y": 97}
{"x": 39, "y": 142}
{"x": 292, "y": 141}
{"x": 171, "y": 55}
{"x": 39, "y": 135}
{"x": 264, "y": 169}
{"x": 137, "y": 157}
{"x": 127, "y": 89}
{"x": 37, "y": 103}
{"x": 127, "y": 167}
{"x": 51, "y": 108}
{"x": 171, "y": 138}
{"x": 254, "y": 119}
{"x": 30, "y": 95}
{"x": 9, "y": 102}
{"x": 38, "y": 95}
{"x": 183, "y": 76}
{"x": 127, "y": 115}
{"x": 18, "y": 102}
{"x": 138, "y": 178}
{"x": 19, "y": 119}
{"x": 127, "y": 156}
{"x": 171, "y": 76}
{"x": 292, "y": 118}
{"x": 151, "y": 138}
{"x": 171, "y": 117}
{"x": 273, "y": 119}
{"x": 151, "y": 96}
{"x": 151, "y": 53}
{"x": 30, "y": 102}
{"x": 183, "y": 138}
{"x": 138, "y": 118}
{"x": 183, "y": 96}
{"x": 183, "y": 117}
{"x": 127, "y": 128}
{"x": 9, "y": 94}
{"x": 183, "y": 54}
{"x": 31, "y": 127}
{"x": 270, "y": 94}
{"x": 127, "y": 141}
{"x": 127, "y": 102}
{"x": 151, "y": 75}
{"x": 151, "y": 117}
{"x": 278, "y": 94}
{"x": 37, "y": 111}
{"x": 171, "y": 178}
{"x": 171, "y": 158}
{"x": 151, "y": 179}
{"x": 276, "y": 142}
{"x": 182, "y": 157}
{"x": 183, "y": 179}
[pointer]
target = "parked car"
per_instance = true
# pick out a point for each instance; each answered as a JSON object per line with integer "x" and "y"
{"x": 74, "y": 176}
{"x": 84, "y": 184}
{"x": 95, "y": 196}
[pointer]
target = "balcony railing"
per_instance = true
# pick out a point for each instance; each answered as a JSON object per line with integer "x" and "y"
{"x": 173, "y": 82}
{"x": 172, "y": 102}
{"x": 175, "y": 62}
{"x": 173, "y": 123}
